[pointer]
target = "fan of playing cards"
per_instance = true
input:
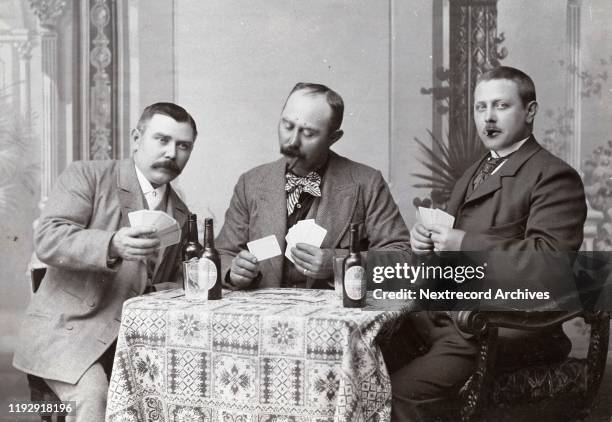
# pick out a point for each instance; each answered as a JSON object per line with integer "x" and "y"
{"x": 305, "y": 231}
{"x": 168, "y": 229}
{"x": 430, "y": 217}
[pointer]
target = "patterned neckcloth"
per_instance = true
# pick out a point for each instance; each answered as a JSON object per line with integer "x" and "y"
{"x": 296, "y": 185}
{"x": 486, "y": 170}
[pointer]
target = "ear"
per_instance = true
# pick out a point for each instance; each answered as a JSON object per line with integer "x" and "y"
{"x": 135, "y": 137}
{"x": 532, "y": 109}
{"x": 335, "y": 137}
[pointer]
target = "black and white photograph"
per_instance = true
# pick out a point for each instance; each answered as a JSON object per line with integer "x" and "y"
{"x": 195, "y": 195}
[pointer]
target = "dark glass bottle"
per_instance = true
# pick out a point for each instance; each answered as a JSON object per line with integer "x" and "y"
{"x": 192, "y": 248}
{"x": 214, "y": 266}
{"x": 354, "y": 280}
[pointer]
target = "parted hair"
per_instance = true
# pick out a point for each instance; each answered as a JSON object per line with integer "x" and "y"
{"x": 172, "y": 110}
{"x": 525, "y": 84}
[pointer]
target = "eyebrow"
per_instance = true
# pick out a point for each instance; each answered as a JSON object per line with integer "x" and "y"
{"x": 493, "y": 101}
{"x": 164, "y": 135}
{"x": 312, "y": 129}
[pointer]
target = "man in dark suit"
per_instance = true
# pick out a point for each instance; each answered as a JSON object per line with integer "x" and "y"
{"x": 518, "y": 197}
{"x": 310, "y": 181}
{"x": 96, "y": 260}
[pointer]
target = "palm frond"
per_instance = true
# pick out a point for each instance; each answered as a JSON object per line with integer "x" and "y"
{"x": 439, "y": 160}
{"x": 9, "y": 202}
{"x": 447, "y": 161}
{"x": 30, "y": 177}
{"x": 18, "y": 173}
{"x": 443, "y": 180}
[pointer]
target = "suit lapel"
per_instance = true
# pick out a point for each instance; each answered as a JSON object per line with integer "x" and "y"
{"x": 130, "y": 193}
{"x": 508, "y": 169}
{"x": 460, "y": 190}
{"x": 177, "y": 210}
{"x": 130, "y": 199}
{"x": 273, "y": 203}
{"x": 336, "y": 207}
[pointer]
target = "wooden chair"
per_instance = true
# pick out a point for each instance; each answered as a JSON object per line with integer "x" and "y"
{"x": 39, "y": 390}
{"x": 575, "y": 380}
{"x": 571, "y": 379}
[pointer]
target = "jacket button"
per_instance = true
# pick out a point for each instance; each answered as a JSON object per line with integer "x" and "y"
{"x": 69, "y": 327}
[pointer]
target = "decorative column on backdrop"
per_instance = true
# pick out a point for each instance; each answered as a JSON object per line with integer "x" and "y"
{"x": 573, "y": 101}
{"x": 91, "y": 111}
{"x": 573, "y": 86}
{"x": 48, "y": 13}
{"x": 99, "y": 80}
{"x": 473, "y": 43}
{"x": 16, "y": 49}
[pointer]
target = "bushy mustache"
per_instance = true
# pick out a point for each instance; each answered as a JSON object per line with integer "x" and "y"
{"x": 290, "y": 152}
{"x": 169, "y": 165}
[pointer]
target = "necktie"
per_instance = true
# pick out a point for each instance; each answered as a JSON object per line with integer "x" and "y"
{"x": 296, "y": 185}
{"x": 486, "y": 170}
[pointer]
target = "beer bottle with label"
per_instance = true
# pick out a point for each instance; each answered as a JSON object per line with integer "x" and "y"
{"x": 192, "y": 248}
{"x": 354, "y": 281}
{"x": 210, "y": 258}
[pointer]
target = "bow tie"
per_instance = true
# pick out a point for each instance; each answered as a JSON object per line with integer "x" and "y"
{"x": 296, "y": 185}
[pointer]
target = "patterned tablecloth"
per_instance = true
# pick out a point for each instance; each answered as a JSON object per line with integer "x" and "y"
{"x": 267, "y": 355}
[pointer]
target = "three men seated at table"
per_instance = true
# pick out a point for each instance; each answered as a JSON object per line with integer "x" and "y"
{"x": 518, "y": 197}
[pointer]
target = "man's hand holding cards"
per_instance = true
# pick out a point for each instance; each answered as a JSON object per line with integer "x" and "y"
{"x": 167, "y": 229}
{"x": 245, "y": 265}
{"x": 304, "y": 241}
{"x": 149, "y": 231}
{"x": 434, "y": 232}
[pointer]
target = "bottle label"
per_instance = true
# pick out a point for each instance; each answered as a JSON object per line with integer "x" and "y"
{"x": 207, "y": 273}
{"x": 354, "y": 282}
{"x": 190, "y": 272}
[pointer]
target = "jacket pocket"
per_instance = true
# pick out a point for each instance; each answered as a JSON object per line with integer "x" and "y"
{"x": 513, "y": 230}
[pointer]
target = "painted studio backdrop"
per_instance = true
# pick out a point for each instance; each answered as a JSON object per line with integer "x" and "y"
{"x": 75, "y": 75}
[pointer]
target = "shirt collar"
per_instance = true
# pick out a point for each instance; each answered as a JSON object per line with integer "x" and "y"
{"x": 320, "y": 171}
{"x": 509, "y": 150}
{"x": 146, "y": 186}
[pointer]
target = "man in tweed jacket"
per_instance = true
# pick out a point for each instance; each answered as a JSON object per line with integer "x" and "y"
{"x": 310, "y": 181}
{"x": 96, "y": 260}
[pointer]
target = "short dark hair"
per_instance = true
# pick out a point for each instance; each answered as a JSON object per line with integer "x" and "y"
{"x": 332, "y": 97}
{"x": 172, "y": 110}
{"x": 526, "y": 87}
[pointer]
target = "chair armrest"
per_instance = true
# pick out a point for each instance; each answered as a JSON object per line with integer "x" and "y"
{"x": 480, "y": 322}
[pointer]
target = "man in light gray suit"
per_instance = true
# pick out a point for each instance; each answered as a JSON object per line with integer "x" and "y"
{"x": 310, "y": 181}
{"x": 96, "y": 260}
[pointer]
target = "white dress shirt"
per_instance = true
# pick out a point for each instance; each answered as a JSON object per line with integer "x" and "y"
{"x": 153, "y": 196}
{"x": 504, "y": 152}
